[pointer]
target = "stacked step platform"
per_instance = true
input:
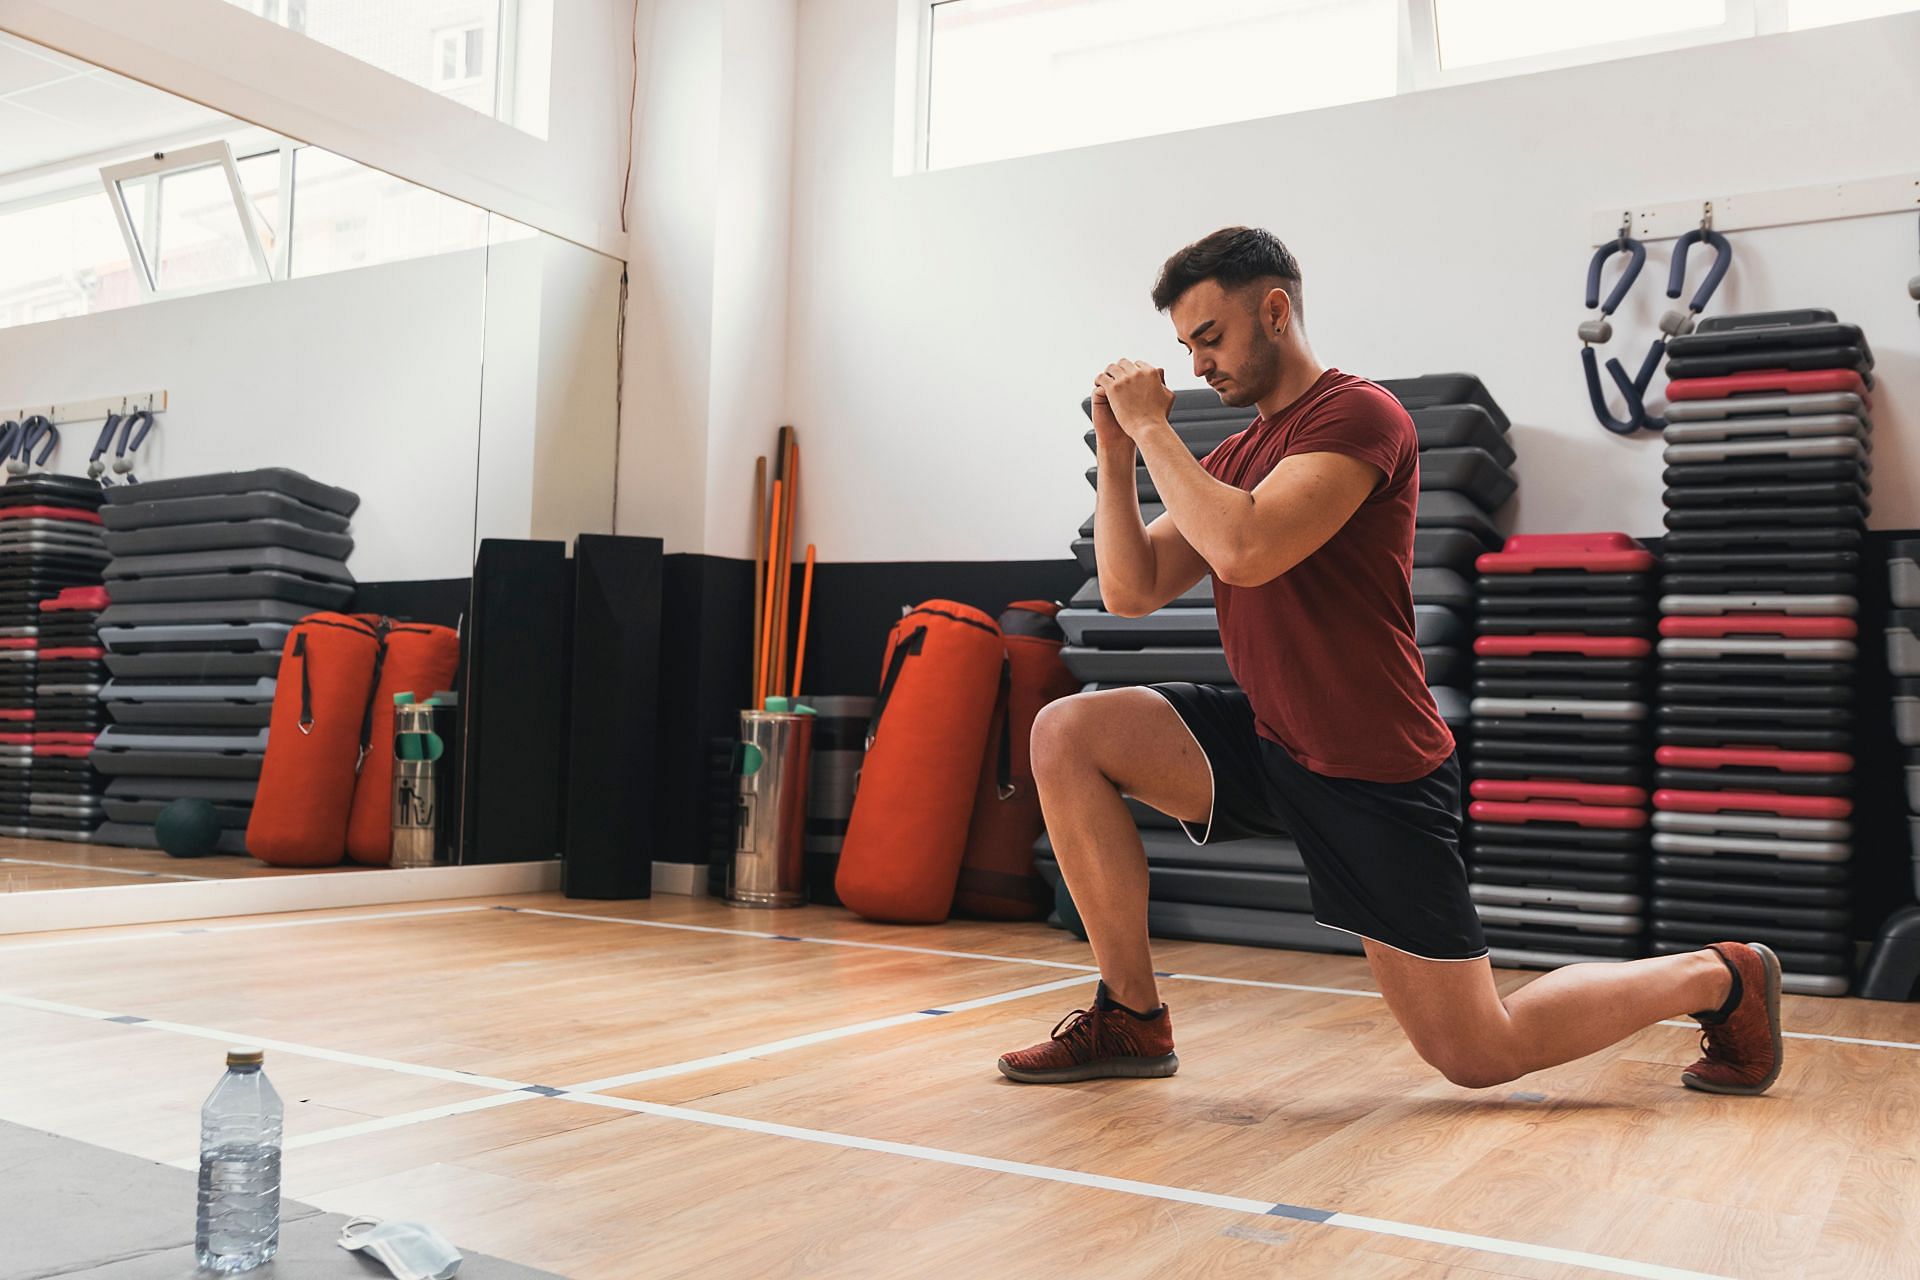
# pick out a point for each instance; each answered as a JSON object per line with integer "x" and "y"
{"x": 1903, "y": 658}
{"x": 51, "y": 560}
{"x": 1562, "y": 684}
{"x": 209, "y": 573}
{"x": 1464, "y": 481}
{"x": 1769, "y": 459}
{"x": 1255, "y": 891}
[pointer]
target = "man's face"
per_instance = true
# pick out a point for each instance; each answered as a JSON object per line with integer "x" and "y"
{"x": 1237, "y": 355}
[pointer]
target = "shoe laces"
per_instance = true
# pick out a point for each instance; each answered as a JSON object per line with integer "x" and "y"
{"x": 1080, "y": 1024}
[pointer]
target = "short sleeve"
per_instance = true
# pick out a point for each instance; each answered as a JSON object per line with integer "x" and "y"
{"x": 1361, "y": 422}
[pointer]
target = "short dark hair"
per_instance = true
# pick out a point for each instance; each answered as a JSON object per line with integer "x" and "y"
{"x": 1234, "y": 256}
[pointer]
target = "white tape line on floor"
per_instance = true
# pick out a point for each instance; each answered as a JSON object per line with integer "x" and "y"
{"x": 110, "y": 871}
{"x": 263, "y": 1042}
{"x": 1156, "y": 1191}
{"x": 177, "y": 931}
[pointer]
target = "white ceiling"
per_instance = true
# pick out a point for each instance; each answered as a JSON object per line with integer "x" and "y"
{"x": 53, "y": 108}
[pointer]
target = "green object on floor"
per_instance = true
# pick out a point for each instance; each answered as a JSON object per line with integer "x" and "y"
{"x": 188, "y": 829}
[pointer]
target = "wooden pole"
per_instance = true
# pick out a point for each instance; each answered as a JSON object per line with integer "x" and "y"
{"x": 806, "y": 608}
{"x": 766, "y": 637}
{"x": 759, "y": 566}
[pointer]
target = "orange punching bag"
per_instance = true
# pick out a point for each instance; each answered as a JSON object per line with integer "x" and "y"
{"x": 908, "y": 830}
{"x": 997, "y": 879}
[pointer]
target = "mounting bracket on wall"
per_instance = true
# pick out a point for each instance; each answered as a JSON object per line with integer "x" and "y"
{"x": 1826, "y": 202}
{"x": 94, "y": 410}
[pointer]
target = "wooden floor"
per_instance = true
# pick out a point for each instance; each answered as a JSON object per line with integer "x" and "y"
{"x": 794, "y": 1105}
{"x": 54, "y": 864}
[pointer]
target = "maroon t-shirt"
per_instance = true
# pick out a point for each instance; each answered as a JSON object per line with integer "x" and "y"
{"x": 1325, "y": 652}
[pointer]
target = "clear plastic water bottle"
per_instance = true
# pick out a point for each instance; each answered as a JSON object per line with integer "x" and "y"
{"x": 239, "y": 1223}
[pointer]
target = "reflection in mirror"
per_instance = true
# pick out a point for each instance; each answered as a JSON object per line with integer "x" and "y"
{"x": 393, "y": 375}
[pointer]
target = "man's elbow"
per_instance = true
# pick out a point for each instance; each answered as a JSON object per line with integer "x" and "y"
{"x": 1247, "y": 569}
{"x": 1121, "y": 604}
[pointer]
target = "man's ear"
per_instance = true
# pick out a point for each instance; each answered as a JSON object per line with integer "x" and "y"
{"x": 1276, "y": 310}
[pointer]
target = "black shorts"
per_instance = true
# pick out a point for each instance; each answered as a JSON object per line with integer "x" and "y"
{"x": 1382, "y": 858}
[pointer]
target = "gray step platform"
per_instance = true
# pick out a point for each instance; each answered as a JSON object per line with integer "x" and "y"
{"x": 284, "y": 588}
{"x": 194, "y": 666}
{"x": 1427, "y": 390}
{"x": 177, "y": 764}
{"x": 260, "y": 690}
{"x": 1454, "y": 549}
{"x": 1207, "y": 886}
{"x": 1091, "y": 628}
{"x": 1148, "y": 666}
{"x": 1472, "y": 472}
{"x": 1802, "y": 403}
{"x": 1172, "y": 848}
{"x": 220, "y": 484}
{"x": 229, "y": 536}
{"x": 145, "y": 813}
{"x": 1198, "y": 596}
{"x": 1857, "y": 447}
{"x": 115, "y": 738}
{"x": 1792, "y": 427}
{"x": 1551, "y": 898}
{"x": 1443, "y": 586}
{"x": 208, "y": 715}
{"x": 1437, "y": 625}
{"x": 254, "y": 638}
{"x": 203, "y": 612}
{"x": 1461, "y": 426}
{"x": 203, "y": 511}
{"x": 232, "y": 560}
{"x": 1442, "y": 510}
{"x": 216, "y": 790}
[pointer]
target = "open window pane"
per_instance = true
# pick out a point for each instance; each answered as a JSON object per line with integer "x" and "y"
{"x": 1802, "y": 14}
{"x": 1009, "y": 77}
{"x": 201, "y": 240}
{"x": 1474, "y": 32}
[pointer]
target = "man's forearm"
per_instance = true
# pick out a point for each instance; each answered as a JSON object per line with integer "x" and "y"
{"x": 1119, "y": 535}
{"x": 1213, "y": 516}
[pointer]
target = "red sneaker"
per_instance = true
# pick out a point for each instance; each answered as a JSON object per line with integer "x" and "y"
{"x": 1095, "y": 1043}
{"x": 1742, "y": 1053}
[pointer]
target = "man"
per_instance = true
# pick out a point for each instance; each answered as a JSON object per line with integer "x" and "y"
{"x": 1305, "y": 521}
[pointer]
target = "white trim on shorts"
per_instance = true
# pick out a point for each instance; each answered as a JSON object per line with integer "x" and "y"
{"x": 1484, "y": 955}
{"x": 1213, "y": 790}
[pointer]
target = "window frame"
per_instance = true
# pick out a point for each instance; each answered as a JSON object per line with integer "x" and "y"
{"x": 1418, "y": 60}
{"x": 157, "y": 167}
{"x": 489, "y": 43}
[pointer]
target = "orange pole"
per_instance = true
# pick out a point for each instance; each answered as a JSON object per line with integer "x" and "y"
{"x": 759, "y": 563}
{"x": 784, "y": 608}
{"x": 806, "y": 608}
{"x": 766, "y": 637}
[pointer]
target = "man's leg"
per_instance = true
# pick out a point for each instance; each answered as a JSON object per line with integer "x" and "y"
{"x": 1459, "y": 1023}
{"x": 1089, "y": 751}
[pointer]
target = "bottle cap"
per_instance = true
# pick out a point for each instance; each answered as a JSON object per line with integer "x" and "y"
{"x": 245, "y": 1057}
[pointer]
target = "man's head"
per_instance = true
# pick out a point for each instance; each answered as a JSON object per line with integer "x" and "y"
{"x": 1234, "y": 298}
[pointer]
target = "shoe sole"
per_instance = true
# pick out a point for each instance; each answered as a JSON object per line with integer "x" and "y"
{"x": 1105, "y": 1068}
{"x": 1771, "y": 963}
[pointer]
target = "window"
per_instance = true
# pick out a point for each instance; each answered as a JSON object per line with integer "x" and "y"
{"x": 1802, "y": 14}
{"x": 983, "y": 80}
{"x": 1476, "y": 32}
{"x": 351, "y": 216}
{"x": 459, "y": 57}
{"x": 491, "y": 55}
{"x": 1010, "y": 77}
{"x": 188, "y": 224}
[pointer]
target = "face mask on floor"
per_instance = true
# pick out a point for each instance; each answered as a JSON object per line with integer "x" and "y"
{"x": 411, "y": 1250}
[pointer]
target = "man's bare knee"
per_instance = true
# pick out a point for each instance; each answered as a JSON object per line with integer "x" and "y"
{"x": 1468, "y": 1065}
{"x": 1059, "y": 736}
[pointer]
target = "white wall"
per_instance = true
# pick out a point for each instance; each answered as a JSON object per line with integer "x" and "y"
{"x": 944, "y": 326}
{"x": 568, "y": 184}
{"x": 708, "y": 257}
{"x": 366, "y": 379}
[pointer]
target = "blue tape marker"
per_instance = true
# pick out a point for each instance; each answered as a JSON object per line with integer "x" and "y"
{"x": 1298, "y": 1213}
{"x": 128, "y": 1019}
